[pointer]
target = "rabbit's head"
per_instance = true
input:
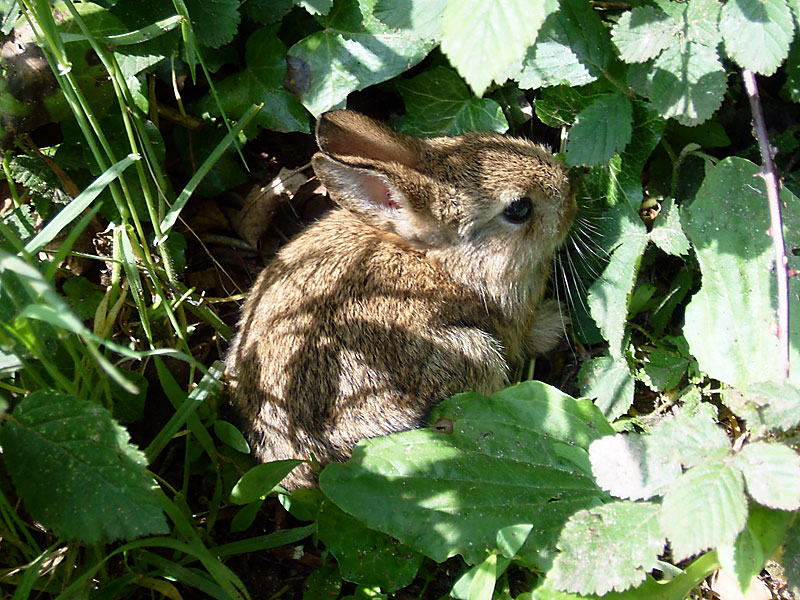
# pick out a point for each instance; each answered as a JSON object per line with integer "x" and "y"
{"x": 491, "y": 208}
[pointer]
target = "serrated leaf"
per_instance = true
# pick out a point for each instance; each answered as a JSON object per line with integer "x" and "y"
{"x": 611, "y": 547}
{"x": 366, "y": 556}
{"x": 438, "y": 102}
{"x": 354, "y": 50}
{"x": 424, "y": 19}
{"x": 772, "y": 474}
{"x": 667, "y": 232}
{"x": 663, "y": 370}
{"x": 628, "y": 467}
{"x": 643, "y": 33}
{"x": 261, "y": 480}
{"x": 488, "y": 463}
{"x": 727, "y": 224}
{"x": 743, "y": 559}
{"x": 695, "y": 521}
{"x": 757, "y": 33}
{"x": 77, "y": 472}
{"x": 610, "y": 293}
{"x": 601, "y": 130}
{"x": 482, "y": 39}
{"x": 690, "y": 438}
{"x": 772, "y": 405}
{"x": 214, "y": 22}
{"x": 688, "y": 83}
{"x": 701, "y": 19}
{"x": 610, "y": 383}
{"x": 572, "y": 48}
{"x": 316, "y": 7}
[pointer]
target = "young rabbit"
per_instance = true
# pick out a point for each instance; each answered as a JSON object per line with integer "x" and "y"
{"x": 428, "y": 281}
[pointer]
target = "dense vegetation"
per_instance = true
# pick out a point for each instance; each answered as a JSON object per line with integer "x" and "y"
{"x": 131, "y": 132}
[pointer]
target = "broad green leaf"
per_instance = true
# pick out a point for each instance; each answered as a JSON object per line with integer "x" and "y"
{"x": 757, "y": 33}
{"x": 353, "y": 50}
{"x": 463, "y": 587}
{"x": 510, "y": 539}
{"x": 601, "y": 130}
{"x": 484, "y": 38}
{"x": 83, "y": 296}
{"x": 261, "y": 82}
{"x": 438, "y": 102}
{"x": 628, "y": 466}
{"x": 772, "y": 474}
{"x": 743, "y": 559}
{"x": 610, "y": 293}
{"x": 610, "y": 547}
{"x": 572, "y": 48}
{"x": 687, "y": 83}
{"x": 791, "y": 89}
{"x": 267, "y": 12}
{"x": 643, "y": 33}
{"x": 77, "y": 472}
{"x": 366, "y": 556}
{"x": 485, "y": 464}
{"x": 316, "y": 7}
{"x": 323, "y": 582}
{"x": 791, "y": 556}
{"x": 423, "y": 19}
{"x": 484, "y": 579}
{"x": 261, "y": 480}
{"x": 695, "y": 521}
{"x": 558, "y": 106}
{"x": 627, "y": 173}
{"x": 609, "y": 383}
{"x": 215, "y": 22}
{"x": 730, "y": 323}
{"x": 667, "y": 233}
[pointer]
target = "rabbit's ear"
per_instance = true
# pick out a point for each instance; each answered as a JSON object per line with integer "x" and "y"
{"x": 344, "y": 133}
{"x": 378, "y": 197}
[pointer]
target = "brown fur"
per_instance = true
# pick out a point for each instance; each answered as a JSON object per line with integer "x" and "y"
{"x": 417, "y": 288}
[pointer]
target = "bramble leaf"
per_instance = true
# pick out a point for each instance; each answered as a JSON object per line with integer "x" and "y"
{"x": 772, "y": 474}
{"x": 694, "y": 522}
{"x": 643, "y": 33}
{"x": 601, "y": 130}
{"x": 484, "y": 39}
{"x": 610, "y": 547}
{"x": 610, "y": 383}
{"x": 757, "y": 33}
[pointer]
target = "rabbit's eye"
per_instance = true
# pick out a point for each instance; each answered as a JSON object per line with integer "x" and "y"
{"x": 519, "y": 211}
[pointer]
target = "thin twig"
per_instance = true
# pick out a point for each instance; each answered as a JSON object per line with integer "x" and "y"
{"x": 776, "y": 222}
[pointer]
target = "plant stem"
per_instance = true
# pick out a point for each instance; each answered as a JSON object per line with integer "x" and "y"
{"x": 776, "y": 222}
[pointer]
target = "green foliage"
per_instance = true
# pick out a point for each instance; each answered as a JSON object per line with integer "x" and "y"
{"x": 529, "y": 493}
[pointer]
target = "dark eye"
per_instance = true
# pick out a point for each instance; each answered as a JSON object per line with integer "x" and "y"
{"x": 519, "y": 211}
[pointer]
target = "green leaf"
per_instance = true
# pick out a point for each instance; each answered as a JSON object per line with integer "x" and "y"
{"x": 757, "y": 33}
{"x": 260, "y": 82}
{"x": 601, "y": 130}
{"x": 791, "y": 89}
{"x": 690, "y": 438}
{"x": 688, "y": 83}
{"x": 267, "y": 12}
{"x": 770, "y": 405}
{"x": 627, "y": 174}
{"x": 485, "y": 464}
{"x": 629, "y": 466}
{"x": 663, "y": 369}
{"x": 735, "y": 308}
{"x": 214, "y": 22}
{"x": 610, "y": 293}
{"x": 324, "y": 582}
{"x": 438, "y": 102}
{"x": 772, "y": 474}
{"x": 610, "y": 547}
{"x": 743, "y": 559}
{"x": 643, "y": 33}
{"x": 354, "y": 50}
{"x": 667, "y": 233}
{"x": 484, "y": 579}
{"x": 230, "y": 434}
{"x": 77, "y": 472}
{"x": 423, "y": 19}
{"x": 572, "y": 48}
{"x": 791, "y": 556}
{"x": 484, "y": 39}
{"x": 261, "y": 480}
{"x": 609, "y": 383}
{"x": 366, "y": 556}
{"x": 694, "y": 521}
{"x": 316, "y": 7}
{"x": 83, "y": 297}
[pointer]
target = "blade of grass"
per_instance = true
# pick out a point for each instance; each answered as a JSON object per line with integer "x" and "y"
{"x": 265, "y": 542}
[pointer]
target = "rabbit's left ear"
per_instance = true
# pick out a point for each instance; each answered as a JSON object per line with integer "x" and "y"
{"x": 369, "y": 169}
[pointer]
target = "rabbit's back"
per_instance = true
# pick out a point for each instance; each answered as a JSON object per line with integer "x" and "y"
{"x": 350, "y": 333}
